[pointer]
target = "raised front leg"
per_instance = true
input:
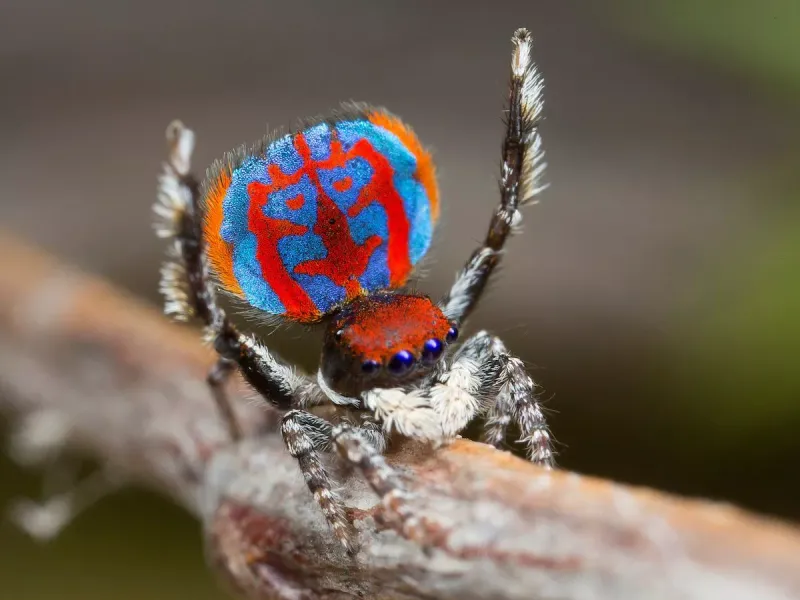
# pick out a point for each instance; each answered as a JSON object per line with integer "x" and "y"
{"x": 190, "y": 292}
{"x": 520, "y": 182}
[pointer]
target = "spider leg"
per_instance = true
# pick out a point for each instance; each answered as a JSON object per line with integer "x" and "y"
{"x": 306, "y": 436}
{"x": 520, "y": 183}
{"x": 356, "y": 447}
{"x": 484, "y": 378}
{"x": 517, "y": 400}
{"x": 188, "y": 287}
{"x": 467, "y": 386}
{"x": 372, "y": 432}
{"x": 217, "y": 378}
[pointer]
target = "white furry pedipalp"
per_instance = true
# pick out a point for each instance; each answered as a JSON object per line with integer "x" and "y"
{"x": 408, "y": 413}
{"x": 454, "y": 398}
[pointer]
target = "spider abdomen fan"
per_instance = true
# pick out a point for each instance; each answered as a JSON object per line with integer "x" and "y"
{"x": 344, "y": 207}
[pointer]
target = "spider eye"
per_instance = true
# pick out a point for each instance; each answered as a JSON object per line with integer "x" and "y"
{"x": 370, "y": 366}
{"x": 432, "y": 350}
{"x": 338, "y": 335}
{"x": 401, "y": 362}
{"x": 452, "y": 334}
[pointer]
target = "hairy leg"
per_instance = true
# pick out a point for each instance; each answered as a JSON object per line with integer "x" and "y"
{"x": 217, "y": 377}
{"x": 468, "y": 385}
{"x": 520, "y": 182}
{"x": 306, "y": 436}
{"x": 371, "y": 431}
{"x": 356, "y": 447}
{"x": 189, "y": 290}
{"x": 517, "y": 400}
{"x": 483, "y": 378}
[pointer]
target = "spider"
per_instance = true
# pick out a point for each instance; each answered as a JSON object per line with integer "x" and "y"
{"x": 325, "y": 225}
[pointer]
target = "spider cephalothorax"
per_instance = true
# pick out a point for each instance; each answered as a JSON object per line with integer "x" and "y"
{"x": 326, "y": 224}
{"x": 384, "y": 341}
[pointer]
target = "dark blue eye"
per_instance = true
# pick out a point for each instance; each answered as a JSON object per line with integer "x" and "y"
{"x": 401, "y": 362}
{"x": 432, "y": 350}
{"x": 452, "y": 334}
{"x": 370, "y": 366}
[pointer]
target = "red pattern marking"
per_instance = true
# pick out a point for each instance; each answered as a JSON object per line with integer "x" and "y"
{"x": 346, "y": 261}
{"x": 297, "y": 202}
{"x": 381, "y": 188}
{"x": 344, "y": 184}
{"x": 269, "y": 232}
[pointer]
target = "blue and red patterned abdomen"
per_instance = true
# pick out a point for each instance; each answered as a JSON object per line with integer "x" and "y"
{"x": 342, "y": 208}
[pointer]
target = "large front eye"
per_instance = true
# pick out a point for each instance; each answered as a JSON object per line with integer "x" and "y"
{"x": 338, "y": 335}
{"x": 432, "y": 350}
{"x": 401, "y": 362}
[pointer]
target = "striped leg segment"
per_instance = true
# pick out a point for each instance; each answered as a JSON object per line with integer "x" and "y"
{"x": 306, "y": 436}
{"x": 355, "y": 446}
{"x": 484, "y": 378}
{"x": 520, "y": 182}
{"x": 517, "y": 400}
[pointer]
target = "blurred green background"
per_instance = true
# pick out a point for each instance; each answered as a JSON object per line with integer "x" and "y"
{"x": 655, "y": 291}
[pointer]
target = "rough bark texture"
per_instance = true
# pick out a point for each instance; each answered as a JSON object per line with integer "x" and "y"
{"x": 129, "y": 389}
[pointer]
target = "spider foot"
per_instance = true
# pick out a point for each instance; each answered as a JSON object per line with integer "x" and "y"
{"x": 347, "y": 534}
{"x": 540, "y": 451}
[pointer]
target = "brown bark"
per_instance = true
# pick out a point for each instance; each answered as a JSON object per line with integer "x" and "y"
{"x": 130, "y": 387}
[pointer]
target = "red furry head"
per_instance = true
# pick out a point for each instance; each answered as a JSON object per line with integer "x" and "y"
{"x": 384, "y": 340}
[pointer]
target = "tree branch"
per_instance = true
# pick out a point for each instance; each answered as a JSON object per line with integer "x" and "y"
{"x": 115, "y": 379}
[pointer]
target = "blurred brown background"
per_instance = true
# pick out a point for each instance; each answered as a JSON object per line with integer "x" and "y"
{"x": 655, "y": 291}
